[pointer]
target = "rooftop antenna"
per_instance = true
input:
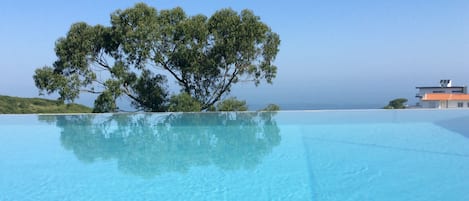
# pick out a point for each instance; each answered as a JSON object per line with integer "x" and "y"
{"x": 445, "y": 83}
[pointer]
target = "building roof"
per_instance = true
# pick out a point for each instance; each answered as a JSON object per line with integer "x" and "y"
{"x": 443, "y": 97}
{"x": 440, "y": 87}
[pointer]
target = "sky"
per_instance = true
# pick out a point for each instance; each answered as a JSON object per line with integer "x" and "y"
{"x": 338, "y": 53}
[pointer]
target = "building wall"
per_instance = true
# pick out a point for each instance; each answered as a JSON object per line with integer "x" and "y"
{"x": 430, "y": 104}
{"x": 444, "y": 104}
{"x": 454, "y": 104}
{"x": 424, "y": 91}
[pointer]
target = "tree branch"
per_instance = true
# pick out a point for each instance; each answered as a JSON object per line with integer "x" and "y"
{"x": 102, "y": 62}
{"x": 179, "y": 79}
{"x": 91, "y": 91}
{"x": 129, "y": 94}
{"x": 99, "y": 82}
{"x": 222, "y": 90}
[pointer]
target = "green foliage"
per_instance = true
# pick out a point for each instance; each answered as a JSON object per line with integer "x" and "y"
{"x": 105, "y": 103}
{"x": 271, "y": 108}
{"x": 398, "y": 103}
{"x": 16, "y": 105}
{"x": 232, "y": 104}
{"x": 212, "y": 109}
{"x": 151, "y": 92}
{"x": 184, "y": 103}
{"x": 205, "y": 55}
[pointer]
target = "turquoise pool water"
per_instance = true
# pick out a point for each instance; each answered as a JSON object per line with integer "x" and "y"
{"x": 323, "y": 155}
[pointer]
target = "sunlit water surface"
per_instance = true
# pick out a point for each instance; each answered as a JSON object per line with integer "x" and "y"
{"x": 323, "y": 155}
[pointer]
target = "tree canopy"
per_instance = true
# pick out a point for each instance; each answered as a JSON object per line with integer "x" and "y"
{"x": 398, "y": 103}
{"x": 133, "y": 56}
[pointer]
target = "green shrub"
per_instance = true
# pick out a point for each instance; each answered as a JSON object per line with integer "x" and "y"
{"x": 183, "y": 102}
{"x": 232, "y": 104}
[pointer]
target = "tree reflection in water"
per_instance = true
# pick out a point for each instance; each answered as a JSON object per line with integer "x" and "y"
{"x": 152, "y": 144}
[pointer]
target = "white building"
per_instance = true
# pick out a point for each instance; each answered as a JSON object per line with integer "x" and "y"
{"x": 443, "y": 96}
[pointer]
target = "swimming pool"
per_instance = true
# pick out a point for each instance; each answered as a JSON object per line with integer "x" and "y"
{"x": 297, "y": 155}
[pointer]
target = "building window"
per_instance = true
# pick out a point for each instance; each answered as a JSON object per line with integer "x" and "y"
{"x": 460, "y": 104}
{"x": 438, "y": 92}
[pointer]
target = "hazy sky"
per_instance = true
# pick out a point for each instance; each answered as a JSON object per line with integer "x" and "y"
{"x": 342, "y": 53}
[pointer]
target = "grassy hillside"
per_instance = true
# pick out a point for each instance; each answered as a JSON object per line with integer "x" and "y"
{"x": 16, "y": 105}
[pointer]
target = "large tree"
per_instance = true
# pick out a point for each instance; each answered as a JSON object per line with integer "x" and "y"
{"x": 205, "y": 55}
